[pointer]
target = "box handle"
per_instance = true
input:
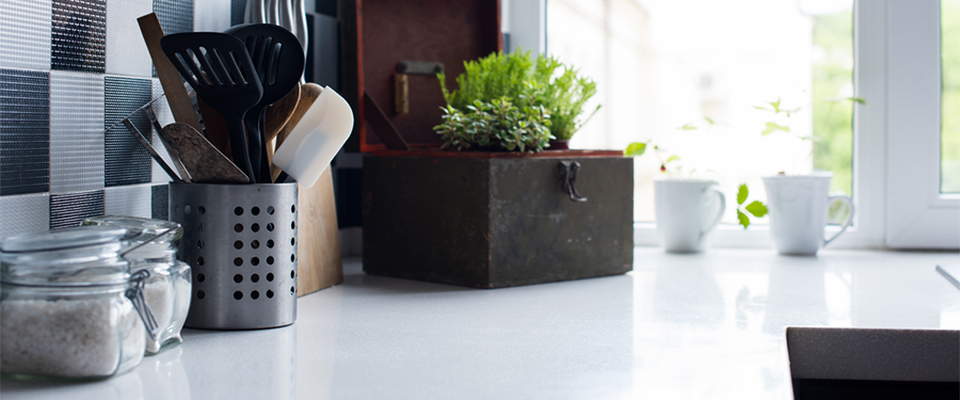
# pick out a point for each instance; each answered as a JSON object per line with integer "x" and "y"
{"x": 401, "y": 85}
{"x": 568, "y": 180}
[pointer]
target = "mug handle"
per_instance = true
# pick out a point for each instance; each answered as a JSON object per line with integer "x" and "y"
{"x": 723, "y": 207}
{"x": 843, "y": 199}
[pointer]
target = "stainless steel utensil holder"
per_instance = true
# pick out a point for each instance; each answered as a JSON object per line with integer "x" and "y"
{"x": 241, "y": 241}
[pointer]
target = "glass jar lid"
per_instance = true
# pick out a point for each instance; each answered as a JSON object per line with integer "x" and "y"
{"x": 150, "y": 239}
{"x": 141, "y": 229}
{"x": 81, "y": 256}
{"x": 62, "y": 239}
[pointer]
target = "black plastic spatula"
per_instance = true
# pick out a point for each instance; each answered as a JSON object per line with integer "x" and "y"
{"x": 219, "y": 68}
{"x": 277, "y": 56}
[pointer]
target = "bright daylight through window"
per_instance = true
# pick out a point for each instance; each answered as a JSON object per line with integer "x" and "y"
{"x": 705, "y": 87}
{"x": 950, "y": 102}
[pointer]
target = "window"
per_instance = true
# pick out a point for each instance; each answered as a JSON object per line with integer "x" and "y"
{"x": 689, "y": 83}
{"x": 918, "y": 213}
{"x": 665, "y": 64}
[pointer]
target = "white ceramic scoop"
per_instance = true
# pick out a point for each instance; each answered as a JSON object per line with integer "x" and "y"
{"x": 316, "y": 139}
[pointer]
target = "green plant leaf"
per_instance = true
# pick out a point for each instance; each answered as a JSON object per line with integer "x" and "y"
{"x": 546, "y": 92}
{"x": 810, "y": 138}
{"x": 776, "y": 105}
{"x": 686, "y": 127}
{"x": 709, "y": 121}
{"x": 635, "y": 149}
{"x": 744, "y": 220}
{"x": 761, "y": 108}
{"x": 857, "y": 100}
{"x": 756, "y": 208}
{"x": 672, "y": 158}
{"x": 773, "y": 127}
{"x": 742, "y": 194}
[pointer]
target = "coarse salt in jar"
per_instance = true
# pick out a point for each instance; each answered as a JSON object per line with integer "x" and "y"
{"x": 167, "y": 290}
{"x": 69, "y": 306}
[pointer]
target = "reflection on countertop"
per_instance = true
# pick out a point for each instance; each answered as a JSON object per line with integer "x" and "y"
{"x": 679, "y": 326}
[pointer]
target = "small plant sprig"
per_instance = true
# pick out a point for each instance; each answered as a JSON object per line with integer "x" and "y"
{"x": 755, "y": 208}
{"x": 495, "y": 126}
{"x": 771, "y": 127}
{"x": 637, "y": 149}
{"x": 774, "y": 107}
{"x": 667, "y": 161}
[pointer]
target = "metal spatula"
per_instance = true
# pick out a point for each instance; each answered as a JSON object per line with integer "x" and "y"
{"x": 204, "y": 162}
{"x": 278, "y": 58}
{"x": 219, "y": 68}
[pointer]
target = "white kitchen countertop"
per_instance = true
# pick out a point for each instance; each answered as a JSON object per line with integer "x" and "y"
{"x": 679, "y": 326}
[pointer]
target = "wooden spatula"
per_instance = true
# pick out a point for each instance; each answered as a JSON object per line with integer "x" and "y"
{"x": 202, "y": 160}
{"x": 180, "y": 104}
{"x": 308, "y": 94}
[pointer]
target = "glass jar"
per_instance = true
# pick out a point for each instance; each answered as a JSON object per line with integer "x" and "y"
{"x": 69, "y": 306}
{"x": 167, "y": 290}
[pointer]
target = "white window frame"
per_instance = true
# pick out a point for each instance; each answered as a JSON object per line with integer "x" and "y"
{"x": 896, "y": 160}
{"x": 526, "y": 23}
{"x": 918, "y": 215}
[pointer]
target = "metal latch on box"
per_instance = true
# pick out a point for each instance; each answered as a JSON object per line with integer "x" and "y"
{"x": 401, "y": 86}
{"x": 568, "y": 180}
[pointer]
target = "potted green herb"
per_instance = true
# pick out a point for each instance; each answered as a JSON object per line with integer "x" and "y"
{"x": 514, "y": 102}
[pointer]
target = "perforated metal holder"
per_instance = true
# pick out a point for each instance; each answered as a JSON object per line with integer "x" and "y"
{"x": 241, "y": 241}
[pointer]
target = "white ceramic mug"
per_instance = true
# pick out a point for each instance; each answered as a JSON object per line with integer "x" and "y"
{"x": 687, "y": 210}
{"x": 798, "y": 211}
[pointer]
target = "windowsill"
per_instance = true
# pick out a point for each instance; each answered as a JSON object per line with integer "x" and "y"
{"x": 678, "y": 326}
{"x": 757, "y": 236}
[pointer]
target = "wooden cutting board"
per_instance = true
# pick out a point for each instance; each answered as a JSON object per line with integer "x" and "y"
{"x": 318, "y": 246}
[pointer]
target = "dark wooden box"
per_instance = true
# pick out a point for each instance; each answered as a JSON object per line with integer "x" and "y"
{"x": 482, "y": 220}
{"x": 490, "y": 220}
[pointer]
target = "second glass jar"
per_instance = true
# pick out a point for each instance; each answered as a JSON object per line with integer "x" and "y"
{"x": 167, "y": 290}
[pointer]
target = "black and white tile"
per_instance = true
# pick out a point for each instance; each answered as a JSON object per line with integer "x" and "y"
{"x": 76, "y": 131}
{"x": 133, "y": 200}
{"x": 237, "y": 10}
{"x": 79, "y": 35}
{"x": 70, "y": 209}
{"x": 126, "y": 53}
{"x": 24, "y": 132}
{"x": 25, "y": 29}
{"x": 160, "y": 202}
{"x": 68, "y": 70}
{"x": 126, "y": 161}
{"x": 209, "y": 15}
{"x": 175, "y": 16}
{"x": 24, "y": 214}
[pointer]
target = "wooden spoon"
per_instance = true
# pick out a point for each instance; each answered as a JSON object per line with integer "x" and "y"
{"x": 308, "y": 94}
{"x": 202, "y": 160}
{"x": 277, "y": 115}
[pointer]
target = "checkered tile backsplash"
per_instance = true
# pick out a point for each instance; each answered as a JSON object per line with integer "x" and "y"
{"x": 68, "y": 70}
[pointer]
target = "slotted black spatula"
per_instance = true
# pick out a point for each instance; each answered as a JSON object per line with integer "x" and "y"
{"x": 278, "y": 57}
{"x": 219, "y": 68}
